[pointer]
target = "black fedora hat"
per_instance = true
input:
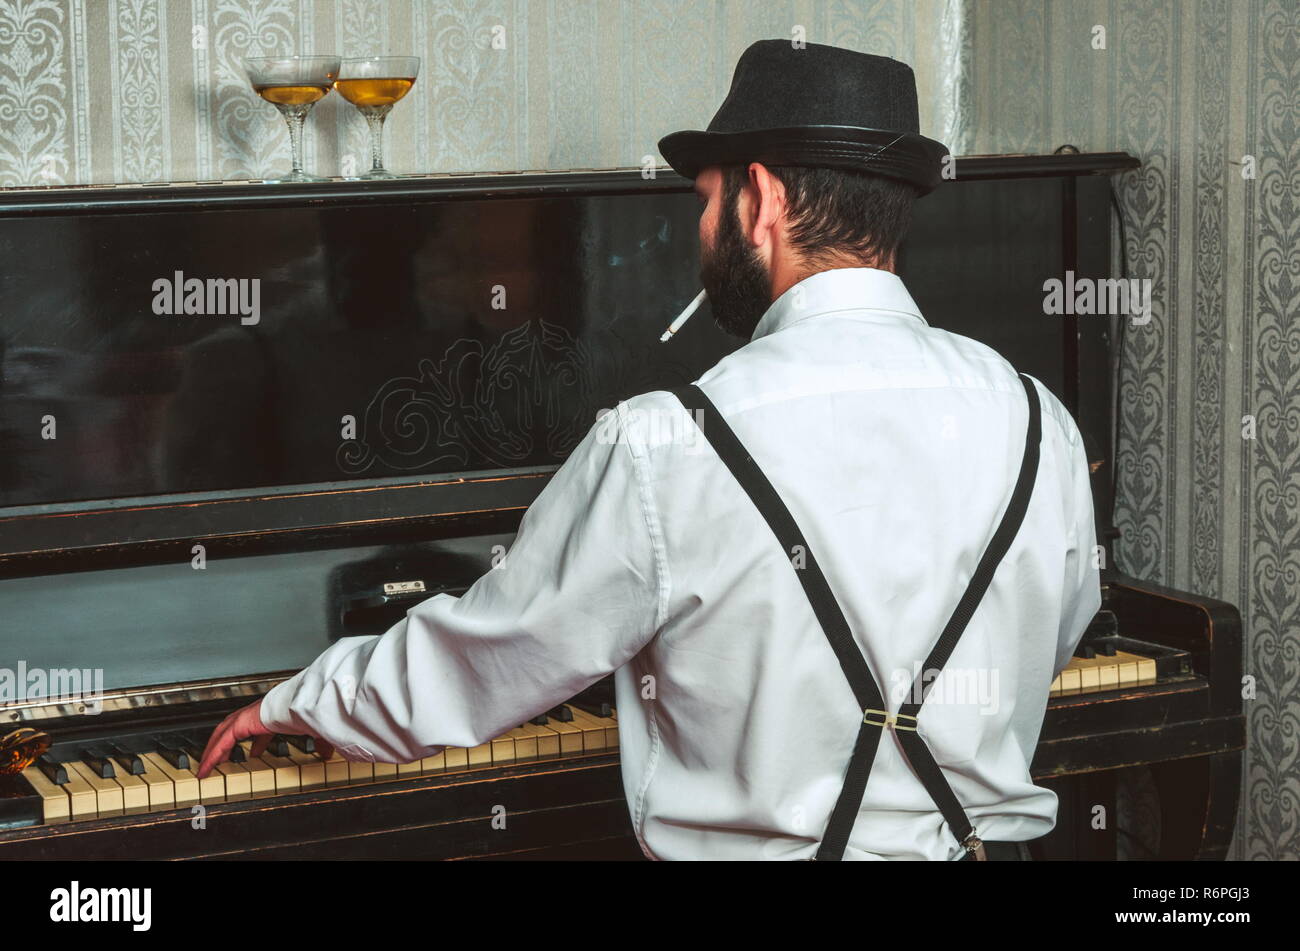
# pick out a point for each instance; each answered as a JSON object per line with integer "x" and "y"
{"x": 816, "y": 106}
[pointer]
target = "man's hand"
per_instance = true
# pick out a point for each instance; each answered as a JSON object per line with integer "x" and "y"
{"x": 243, "y": 723}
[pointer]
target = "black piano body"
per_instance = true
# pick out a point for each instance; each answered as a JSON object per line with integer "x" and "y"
{"x": 203, "y": 485}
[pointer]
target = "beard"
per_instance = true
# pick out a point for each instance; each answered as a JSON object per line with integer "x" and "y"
{"x": 734, "y": 279}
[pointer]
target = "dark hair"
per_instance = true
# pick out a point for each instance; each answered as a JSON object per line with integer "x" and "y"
{"x": 836, "y": 212}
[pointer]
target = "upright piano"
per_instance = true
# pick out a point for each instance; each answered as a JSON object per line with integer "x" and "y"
{"x": 239, "y": 421}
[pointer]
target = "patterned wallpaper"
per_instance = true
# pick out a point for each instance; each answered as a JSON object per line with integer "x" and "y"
{"x": 1202, "y": 91}
{"x": 148, "y": 90}
{"x": 95, "y": 91}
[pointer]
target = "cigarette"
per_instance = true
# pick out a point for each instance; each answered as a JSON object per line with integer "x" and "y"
{"x": 676, "y": 325}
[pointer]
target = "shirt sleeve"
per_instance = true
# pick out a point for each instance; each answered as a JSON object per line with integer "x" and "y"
{"x": 1082, "y": 587}
{"x": 575, "y": 598}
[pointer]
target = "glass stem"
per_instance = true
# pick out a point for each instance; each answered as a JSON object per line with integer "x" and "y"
{"x": 293, "y": 117}
{"x": 376, "y": 122}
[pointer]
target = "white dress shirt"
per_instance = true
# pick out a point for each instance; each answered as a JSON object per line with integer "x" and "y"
{"x": 895, "y": 446}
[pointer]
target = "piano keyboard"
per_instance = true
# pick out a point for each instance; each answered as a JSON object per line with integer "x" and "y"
{"x": 1093, "y": 674}
{"x": 110, "y": 781}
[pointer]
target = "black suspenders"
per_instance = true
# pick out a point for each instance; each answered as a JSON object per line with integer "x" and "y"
{"x": 875, "y": 715}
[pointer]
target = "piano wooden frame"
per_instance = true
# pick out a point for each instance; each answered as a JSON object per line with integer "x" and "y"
{"x": 1189, "y": 731}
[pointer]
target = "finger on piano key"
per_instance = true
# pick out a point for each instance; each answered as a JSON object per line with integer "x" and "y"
{"x": 55, "y": 804}
{"x": 212, "y": 787}
{"x": 108, "y": 794}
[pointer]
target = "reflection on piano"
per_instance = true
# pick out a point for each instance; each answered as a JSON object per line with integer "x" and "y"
{"x": 223, "y": 501}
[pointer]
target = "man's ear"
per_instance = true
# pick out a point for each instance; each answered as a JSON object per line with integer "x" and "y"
{"x": 770, "y": 204}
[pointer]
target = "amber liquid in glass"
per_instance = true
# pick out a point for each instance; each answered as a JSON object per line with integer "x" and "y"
{"x": 292, "y": 95}
{"x": 374, "y": 92}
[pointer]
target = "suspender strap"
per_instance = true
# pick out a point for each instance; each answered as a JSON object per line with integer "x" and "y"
{"x": 769, "y": 504}
{"x": 840, "y": 636}
{"x": 914, "y": 748}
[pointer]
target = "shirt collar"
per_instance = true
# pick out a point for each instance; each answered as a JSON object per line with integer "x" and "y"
{"x": 839, "y": 289}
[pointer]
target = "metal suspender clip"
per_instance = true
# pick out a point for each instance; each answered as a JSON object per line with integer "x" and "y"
{"x": 975, "y": 845}
{"x": 886, "y": 720}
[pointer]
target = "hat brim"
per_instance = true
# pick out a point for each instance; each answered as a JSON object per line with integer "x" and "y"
{"x": 903, "y": 156}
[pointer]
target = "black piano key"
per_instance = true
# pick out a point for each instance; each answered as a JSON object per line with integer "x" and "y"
{"x": 171, "y": 751}
{"x": 598, "y": 699}
{"x": 196, "y": 741}
{"x": 305, "y": 743}
{"x": 99, "y": 763}
{"x": 1086, "y": 651}
{"x": 1107, "y": 648}
{"x": 237, "y": 754}
{"x": 561, "y": 713}
{"x": 131, "y": 762}
{"x": 539, "y": 720}
{"x": 279, "y": 746}
{"x": 599, "y": 708}
{"x": 181, "y": 740}
{"x": 54, "y": 772}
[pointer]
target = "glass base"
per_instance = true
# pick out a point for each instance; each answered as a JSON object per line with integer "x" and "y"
{"x": 294, "y": 177}
{"x": 375, "y": 173}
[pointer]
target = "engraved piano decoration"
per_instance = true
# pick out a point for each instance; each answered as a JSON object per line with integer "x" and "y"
{"x": 193, "y": 505}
